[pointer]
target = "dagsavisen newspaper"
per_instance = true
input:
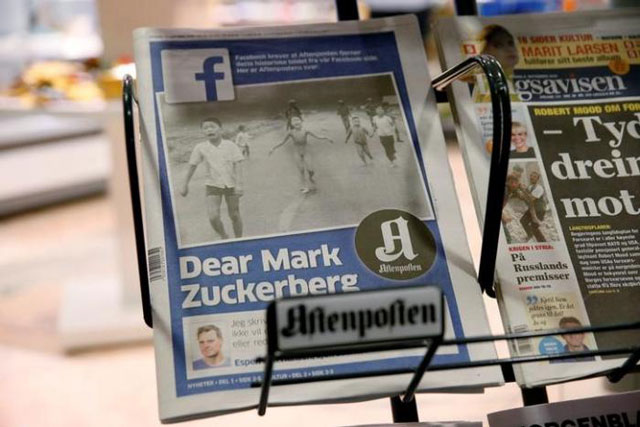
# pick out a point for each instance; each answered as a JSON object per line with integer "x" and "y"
{"x": 290, "y": 161}
{"x": 570, "y": 242}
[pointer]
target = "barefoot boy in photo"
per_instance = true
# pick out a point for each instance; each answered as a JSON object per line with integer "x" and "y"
{"x": 360, "y": 135}
{"x": 223, "y": 159}
{"x": 299, "y": 136}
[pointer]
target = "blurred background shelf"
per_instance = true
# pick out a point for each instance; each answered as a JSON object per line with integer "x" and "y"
{"x": 47, "y": 158}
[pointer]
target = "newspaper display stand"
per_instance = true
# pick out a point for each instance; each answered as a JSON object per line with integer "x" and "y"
{"x": 404, "y": 408}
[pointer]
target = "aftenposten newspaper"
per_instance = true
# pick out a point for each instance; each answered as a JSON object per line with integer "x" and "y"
{"x": 288, "y": 161}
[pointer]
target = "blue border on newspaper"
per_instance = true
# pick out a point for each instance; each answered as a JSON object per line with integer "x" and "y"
{"x": 383, "y": 45}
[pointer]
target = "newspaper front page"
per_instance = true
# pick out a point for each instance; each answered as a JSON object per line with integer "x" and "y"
{"x": 291, "y": 161}
{"x": 570, "y": 242}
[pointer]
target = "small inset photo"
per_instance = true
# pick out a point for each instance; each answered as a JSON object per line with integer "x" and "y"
{"x": 521, "y": 142}
{"x": 205, "y": 347}
{"x": 521, "y": 147}
{"x": 526, "y": 213}
{"x": 574, "y": 341}
{"x": 571, "y": 342}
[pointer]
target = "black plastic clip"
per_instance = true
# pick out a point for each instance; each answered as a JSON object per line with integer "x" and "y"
{"x": 627, "y": 367}
{"x": 128, "y": 98}
{"x": 501, "y": 108}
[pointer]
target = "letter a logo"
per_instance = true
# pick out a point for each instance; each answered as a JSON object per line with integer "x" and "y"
{"x": 395, "y": 244}
{"x": 397, "y": 241}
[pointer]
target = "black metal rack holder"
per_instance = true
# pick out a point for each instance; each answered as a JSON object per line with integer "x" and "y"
{"x": 404, "y": 408}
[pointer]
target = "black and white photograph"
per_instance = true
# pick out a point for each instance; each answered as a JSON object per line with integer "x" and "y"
{"x": 321, "y": 154}
{"x": 527, "y": 215}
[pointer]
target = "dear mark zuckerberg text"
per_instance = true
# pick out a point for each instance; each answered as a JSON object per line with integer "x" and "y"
{"x": 240, "y": 291}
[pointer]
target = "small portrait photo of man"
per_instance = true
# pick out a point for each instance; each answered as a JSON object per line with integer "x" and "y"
{"x": 573, "y": 341}
{"x": 211, "y": 345}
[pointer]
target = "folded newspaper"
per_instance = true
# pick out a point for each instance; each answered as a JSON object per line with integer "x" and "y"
{"x": 287, "y": 161}
{"x": 570, "y": 251}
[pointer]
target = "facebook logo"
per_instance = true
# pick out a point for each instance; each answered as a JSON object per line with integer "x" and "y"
{"x": 209, "y": 76}
{"x": 197, "y": 75}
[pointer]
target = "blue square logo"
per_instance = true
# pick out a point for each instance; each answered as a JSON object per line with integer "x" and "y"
{"x": 197, "y": 75}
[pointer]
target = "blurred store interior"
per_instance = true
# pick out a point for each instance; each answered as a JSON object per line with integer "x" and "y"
{"x": 73, "y": 347}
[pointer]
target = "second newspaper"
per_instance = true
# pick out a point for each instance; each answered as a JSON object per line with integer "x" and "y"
{"x": 570, "y": 253}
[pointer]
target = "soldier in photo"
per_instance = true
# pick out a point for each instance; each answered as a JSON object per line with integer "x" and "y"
{"x": 385, "y": 127}
{"x": 370, "y": 108}
{"x": 344, "y": 113}
{"x": 534, "y": 196}
{"x": 512, "y": 184}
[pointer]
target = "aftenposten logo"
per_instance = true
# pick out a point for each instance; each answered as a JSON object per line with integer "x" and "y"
{"x": 395, "y": 244}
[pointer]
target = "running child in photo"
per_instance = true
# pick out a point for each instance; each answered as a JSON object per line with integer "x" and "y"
{"x": 223, "y": 160}
{"x": 360, "y": 135}
{"x": 299, "y": 135}
{"x": 385, "y": 127}
{"x": 242, "y": 141}
{"x": 386, "y": 107}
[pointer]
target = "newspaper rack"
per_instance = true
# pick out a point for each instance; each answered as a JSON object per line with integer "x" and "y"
{"x": 404, "y": 409}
